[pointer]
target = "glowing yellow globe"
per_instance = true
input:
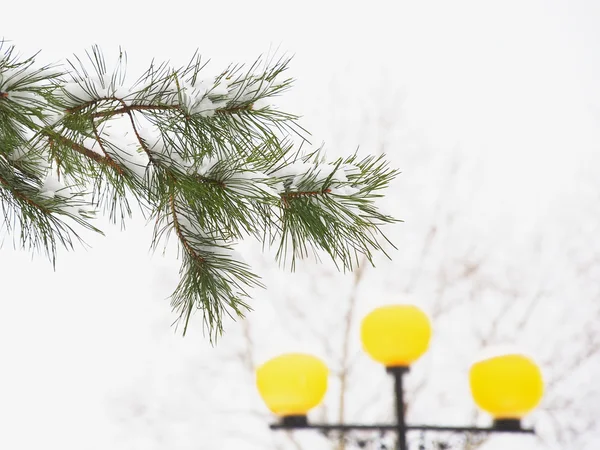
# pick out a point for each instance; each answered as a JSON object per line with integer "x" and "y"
{"x": 396, "y": 335}
{"x": 292, "y": 383}
{"x": 508, "y": 386}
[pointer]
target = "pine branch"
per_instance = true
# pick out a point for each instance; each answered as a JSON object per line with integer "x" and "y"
{"x": 97, "y": 158}
{"x": 206, "y": 158}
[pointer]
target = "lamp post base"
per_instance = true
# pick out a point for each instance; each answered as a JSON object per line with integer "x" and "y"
{"x": 397, "y": 370}
{"x": 297, "y": 421}
{"x": 507, "y": 425}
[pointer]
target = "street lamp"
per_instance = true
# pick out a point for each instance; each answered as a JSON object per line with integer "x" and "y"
{"x": 507, "y": 386}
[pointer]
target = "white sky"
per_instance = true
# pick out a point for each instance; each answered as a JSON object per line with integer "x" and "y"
{"x": 513, "y": 84}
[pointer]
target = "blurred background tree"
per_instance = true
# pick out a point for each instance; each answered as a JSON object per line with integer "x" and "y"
{"x": 532, "y": 287}
{"x": 494, "y": 132}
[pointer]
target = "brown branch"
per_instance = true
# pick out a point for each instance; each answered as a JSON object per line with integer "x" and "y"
{"x": 135, "y": 130}
{"x": 129, "y": 108}
{"x": 89, "y": 153}
{"x": 180, "y": 234}
{"x": 207, "y": 180}
{"x": 23, "y": 197}
{"x": 285, "y": 197}
{"x": 235, "y": 109}
{"x": 3, "y": 94}
{"x": 305, "y": 193}
{"x": 126, "y": 109}
{"x": 106, "y": 155}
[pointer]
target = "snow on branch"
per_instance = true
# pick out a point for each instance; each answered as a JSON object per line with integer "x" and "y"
{"x": 209, "y": 158}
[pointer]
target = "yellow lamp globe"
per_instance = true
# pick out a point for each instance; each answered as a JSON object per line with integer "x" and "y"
{"x": 507, "y": 386}
{"x": 293, "y": 383}
{"x": 396, "y": 335}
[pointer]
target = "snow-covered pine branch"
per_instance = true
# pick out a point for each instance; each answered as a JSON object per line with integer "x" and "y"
{"x": 208, "y": 158}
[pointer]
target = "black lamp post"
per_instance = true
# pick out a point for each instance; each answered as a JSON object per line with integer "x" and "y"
{"x": 506, "y": 386}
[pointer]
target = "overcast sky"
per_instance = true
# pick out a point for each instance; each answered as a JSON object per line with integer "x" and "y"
{"x": 513, "y": 84}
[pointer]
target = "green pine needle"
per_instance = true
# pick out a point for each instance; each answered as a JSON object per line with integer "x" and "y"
{"x": 209, "y": 160}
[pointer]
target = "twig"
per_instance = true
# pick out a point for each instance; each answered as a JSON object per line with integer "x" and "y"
{"x": 88, "y": 153}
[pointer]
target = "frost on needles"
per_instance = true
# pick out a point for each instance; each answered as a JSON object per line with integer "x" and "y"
{"x": 208, "y": 159}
